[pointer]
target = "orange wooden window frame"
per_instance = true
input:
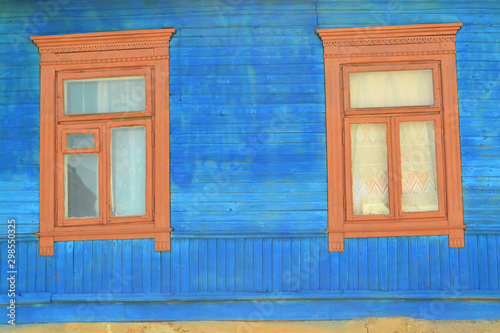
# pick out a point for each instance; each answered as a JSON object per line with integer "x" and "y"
{"x": 101, "y": 55}
{"x": 394, "y": 171}
{"x": 426, "y": 46}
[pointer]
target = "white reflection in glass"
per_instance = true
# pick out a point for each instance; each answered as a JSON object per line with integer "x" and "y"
{"x": 81, "y": 186}
{"x": 119, "y": 94}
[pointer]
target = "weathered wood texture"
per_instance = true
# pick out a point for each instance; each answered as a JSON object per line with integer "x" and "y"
{"x": 248, "y": 151}
{"x": 259, "y": 265}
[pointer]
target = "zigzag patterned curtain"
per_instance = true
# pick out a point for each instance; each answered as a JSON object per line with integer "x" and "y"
{"x": 418, "y": 167}
{"x": 369, "y": 169}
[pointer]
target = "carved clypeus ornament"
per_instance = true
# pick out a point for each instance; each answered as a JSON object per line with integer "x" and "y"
{"x": 388, "y": 41}
{"x": 102, "y": 47}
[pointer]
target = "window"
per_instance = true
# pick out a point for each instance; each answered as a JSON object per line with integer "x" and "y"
{"x": 104, "y": 137}
{"x": 393, "y": 145}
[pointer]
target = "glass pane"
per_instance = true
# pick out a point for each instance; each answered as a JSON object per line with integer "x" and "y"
{"x": 81, "y": 194}
{"x": 79, "y": 141}
{"x": 418, "y": 167}
{"x": 369, "y": 169}
{"x": 394, "y": 88}
{"x": 119, "y": 94}
{"x": 128, "y": 171}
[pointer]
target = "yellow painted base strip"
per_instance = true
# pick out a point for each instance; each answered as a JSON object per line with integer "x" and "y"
{"x": 370, "y": 325}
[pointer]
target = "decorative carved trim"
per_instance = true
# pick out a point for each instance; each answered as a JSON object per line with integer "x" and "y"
{"x": 388, "y": 41}
{"x": 103, "y": 47}
{"x": 336, "y": 247}
{"x": 104, "y": 41}
{"x": 390, "y": 32}
{"x": 456, "y": 242}
{"x": 46, "y": 251}
{"x": 94, "y": 61}
{"x": 162, "y": 246}
{"x": 388, "y": 54}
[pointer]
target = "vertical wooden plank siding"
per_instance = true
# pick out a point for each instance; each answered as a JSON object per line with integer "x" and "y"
{"x": 473, "y": 263}
{"x": 147, "y": 251}
{"x": 60, "y": 269}
{"x": 382, "y": 264}
{"x": 483, "y": 276}
{"x": 444, "y": 263}
{"x": 392, "y": 264}
{"x": 295, "y": 265}
{"x": 258, "y": 268}
{"x": 22, "y": 266}
{"x": 156, "y": 270}
{"x": 211, "y": 277}
{"x": 88, "y": 265}
{"x": 117, "y": 266}
{"x": 276, "y": 264}
{"x": 239, "y": 264}
{"x": 324, "y": 265}
{"x": 166, "y": 275}
{"x": 184, "y": 265}
{"x": 413, "y": 263}
{"x": 107, "y": 266}
{"x": 372, "y": 264}
{"x": 97, "y": 267}
{"x": 248, "y": 265}
{"x": 127, "y": 266}
{"x": 434, "y": 264}
{"x": 175, "y": 279}
{"x": 352, "y": 270}
{"x": 403, "y": 271}
{"x": 221, "y": 264}
{"x": 192, "y": 262}
{"x": 363, "y": 264}
{"x": 492, "y": 265}
{"x": 286, "y": 262}
{"x": 230, "y": 267}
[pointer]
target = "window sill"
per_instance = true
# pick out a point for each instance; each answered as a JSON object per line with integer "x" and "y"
{"x": 130, "y": 231}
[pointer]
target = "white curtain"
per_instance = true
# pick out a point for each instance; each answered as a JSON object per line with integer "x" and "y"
{"x": 128, "y": 171}
{"x": 120, "y": 94}
{"x": 392, "y": 88}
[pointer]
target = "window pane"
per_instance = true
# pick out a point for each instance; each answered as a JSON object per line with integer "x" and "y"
{"x": 79, "y": 141}
{"x": 394, "y": 88}
{"x": 81, "y": 194}
{"x": 120, "y": 94}
{"x": 369, "y": 169}
{"x": 418, "y": 167}
{"x": 128, "y": 171}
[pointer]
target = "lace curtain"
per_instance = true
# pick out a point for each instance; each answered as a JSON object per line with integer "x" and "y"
{"x": 418, "y": 167}
{"x": 369, "y": 169}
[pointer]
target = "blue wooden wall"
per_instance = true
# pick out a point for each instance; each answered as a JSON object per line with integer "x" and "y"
{"x": 248, "y": 160}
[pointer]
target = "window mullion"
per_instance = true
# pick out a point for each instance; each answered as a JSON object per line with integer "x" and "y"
{"x": 104, "y": 172}
{"x": 395, "y": 167}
